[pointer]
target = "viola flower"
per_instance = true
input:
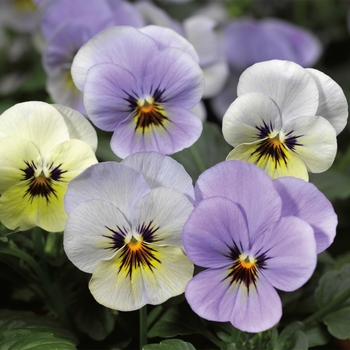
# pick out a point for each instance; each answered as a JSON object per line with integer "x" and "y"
{"x": 145, "y": 99}
{"x": 124, "y": 226}
{"x": 285, "y": 119}
{"x": 251, "y": 239}
{"x": 42, "y": 147}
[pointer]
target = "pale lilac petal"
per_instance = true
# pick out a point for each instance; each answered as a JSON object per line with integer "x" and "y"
{"x": 304, "y": 200}
{"x": 88, "y": 235}
{"x": 215, "y": 77}
{"x": 177, "y": 76}
{"x": 109, "y": 46}
{"x": 212, "y": 297}
{"x": 215, "y": 225}
{"x": 166, "y": 37}
{"x": 125, "y": 14}
{"x": 316, "y": 143}
{"x": 289, "y": 85}
{"x": 180, "y": 131}
{"x": 290, "y": 251}
{"x": 110, "y": 182}
{"x": 161, "y": 171}
{"x": 247, "y": 116}
{"x": 106, "y": 95}
{"x": 332, "y": 102}
{"x": 246, "y": 185}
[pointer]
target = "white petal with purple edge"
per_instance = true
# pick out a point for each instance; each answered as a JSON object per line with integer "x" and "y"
{"x": 332, "y": 102}
{"x": 161, "y": 171}
{"x": 304, "y": 200}
{"x": 246, "y": 185}
{"x": 290, "y": 252}
{"x": 110, "y": 182}
{"x": 211, "y": 229}
{"x": 286, "y": 83}
{"x": 88, "y": 235}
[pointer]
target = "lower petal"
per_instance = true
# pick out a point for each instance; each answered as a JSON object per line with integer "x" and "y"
{"x": 114, "y": 286}
{"x": 289, "y": 165}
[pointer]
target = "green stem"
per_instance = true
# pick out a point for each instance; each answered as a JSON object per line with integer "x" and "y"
{"x": 207, "y": 334}
{"x": 197, "y": 159}
{"x": 331, "y": 306}
{"x": 39, "y": 247}
{"x": 143, "y": 326}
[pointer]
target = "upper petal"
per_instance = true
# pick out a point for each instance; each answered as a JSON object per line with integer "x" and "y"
{"x": 286, "y": 83}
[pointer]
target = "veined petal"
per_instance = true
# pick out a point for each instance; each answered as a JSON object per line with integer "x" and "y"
{"x": 29, "y": 119}
{"x": 14, "y": 152}
{"x": 167, "y": 37}
{"x": 161, "y": 171}
{"x": 251, "y": 117}
{"x": 94, "y": 231}
{"x": 110, "y": 182}
{"x": 286, "y": 83}
{"x": 316, "y": 141}
{"x": 109, "y": 90}
{"x": 24, "y": 211}
{"x": 280, "y": 163}
{"x": 213, "y": 227}
{"x": 212, "y": 297}
{"x": 125, "y": 288}
{"x": 332, "y": 102}
{"x": 304, "y": 200}
{"x": 160, "y": 216}
{"x": 72, "y": 157}
{"x": 291, "y": 253}
{"x": 179, "y": 130}
{"x": 242, "y": 183}
{"x": 78, "y": 126}
{"x": 97, "y": 51}
{"x": 177, "y": 76}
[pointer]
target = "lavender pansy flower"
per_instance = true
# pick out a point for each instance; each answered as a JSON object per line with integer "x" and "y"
{"x": 252, "y": 235}
{"x": 145, "y": 99}
{"x": 285, "y": 119}
{"x": 64, "y": 39}
{"x": 123, "y": 229}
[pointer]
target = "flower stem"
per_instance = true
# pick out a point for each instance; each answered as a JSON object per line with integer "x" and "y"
{"x": 197, "y": 158}
{"x": 331, "y": 306}
{"x": 143, "y": 326}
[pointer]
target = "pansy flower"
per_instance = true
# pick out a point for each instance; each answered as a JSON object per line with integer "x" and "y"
{"x": 251, "y": 237}
{"x": 124, "y": 227}
{"x": 285, "y": 119}
{"x": 42, "y": 147}
{"x": 141, "y": 84}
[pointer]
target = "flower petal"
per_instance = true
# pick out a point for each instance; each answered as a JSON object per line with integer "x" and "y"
{"x": 78, "y": 126}
{"x": 112, "y": 287}
{"x": 211, "y": 229}
{"x": 286, "y": 83}
{"x": 288, "y": 165}
{"x": 332, "y": 102}
{"x": 180, "y": 130}
{"x": 304, "y": 200}
{"x": 247, "y": 116}
{"x": 162, "y": 214}
{"x": 291, "y": 250}
{"x": 212, "y": 297}
{"x": 161, "y": 171}
{"x": 316, "y": 144}
{"x": 88, "y": 235}
{"x": 242, "y": 183}
{"x": 110, "y": 182}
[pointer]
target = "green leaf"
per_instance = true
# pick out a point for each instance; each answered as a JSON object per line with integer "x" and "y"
{"x": 292, "y": 337}
{"x": 317, "y": 335}
{"x": 332, "y": 284}
{"x": 25, "y": 330}
{"x": 338, "y": 323}
{"x": 210, "y": 149}
{"x": 174, "y": 322}
{"x": 170, "y": 344}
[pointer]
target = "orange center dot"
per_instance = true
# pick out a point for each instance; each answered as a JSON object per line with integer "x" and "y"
{"x": 246, "y": 262}
{"x": 134, "y": 244}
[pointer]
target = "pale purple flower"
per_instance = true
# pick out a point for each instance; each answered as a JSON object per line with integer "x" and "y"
{"x": 252, "y": 234}
{"x": 141, "y": 84}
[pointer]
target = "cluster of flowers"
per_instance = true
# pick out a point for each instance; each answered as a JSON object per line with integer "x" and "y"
{"x": 139, "y": 226}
